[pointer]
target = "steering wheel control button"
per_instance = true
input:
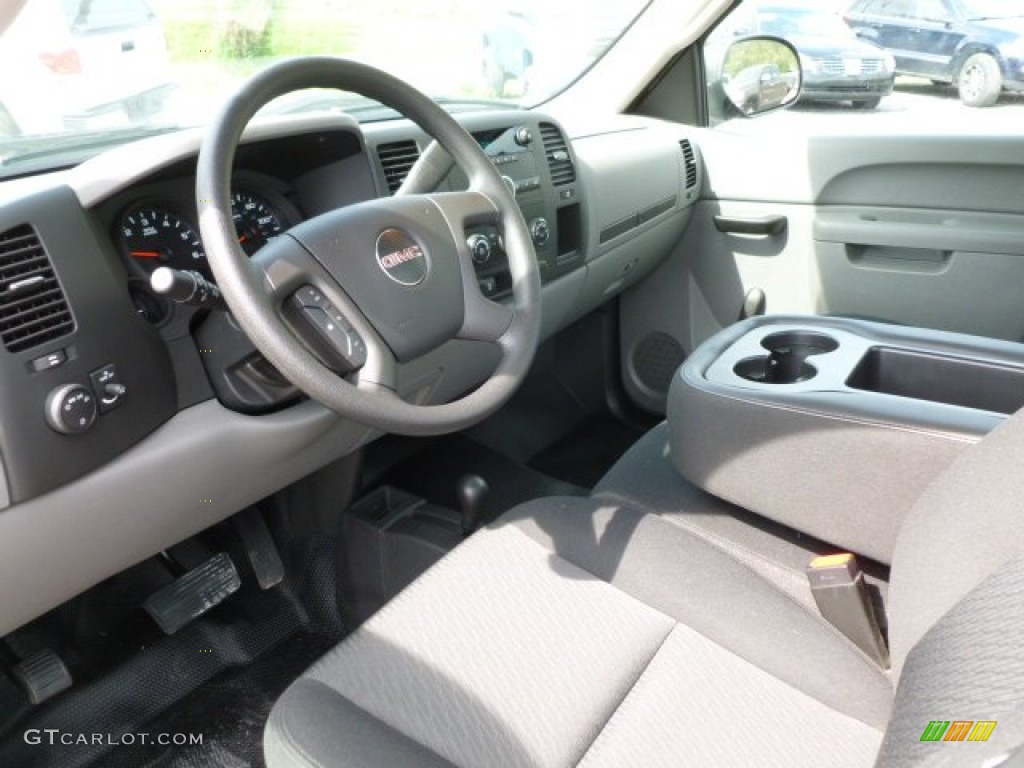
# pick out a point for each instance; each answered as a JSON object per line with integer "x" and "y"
{"x": 479, "y": 248}
{"x": 488, "y": 286}
{"x": 71, "y": 409}
{"x": 50, "y": 361}
{"x": 401, "y": 258}
{"x": 108, "y": 387}
{"x": 308, "y": 296}
{"x": 336, "y": 340}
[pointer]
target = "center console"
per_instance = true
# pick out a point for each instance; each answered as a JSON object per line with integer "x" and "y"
{"x": 835, "y": 426}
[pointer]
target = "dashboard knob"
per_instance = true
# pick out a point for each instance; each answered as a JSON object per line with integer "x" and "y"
{"x": 479, "y": 248}
{"x": 523, "y": 136}
{"x": 540, "y": 231}
{"x": 71, "y": 409}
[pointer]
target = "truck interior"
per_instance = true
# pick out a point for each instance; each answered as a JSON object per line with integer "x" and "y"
{"x": 644, "y": 422}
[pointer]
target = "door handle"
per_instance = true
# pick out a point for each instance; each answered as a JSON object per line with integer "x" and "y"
{"x": 754, "y": 225}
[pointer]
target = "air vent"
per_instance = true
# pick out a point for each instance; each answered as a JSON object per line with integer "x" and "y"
{"x": 690, "y": 162}
{"x": 557, "y": 154}
{"x": 397, "y": 159}
{"x": 33, "y": 308}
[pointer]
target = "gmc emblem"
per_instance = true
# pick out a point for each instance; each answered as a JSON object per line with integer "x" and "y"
{"x": 401, "y": 258}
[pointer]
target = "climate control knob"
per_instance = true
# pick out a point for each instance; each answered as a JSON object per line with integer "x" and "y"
{"x": 479, "y": 248}
{"x": 540, "y": 231}
{"x": 71, "y": 409}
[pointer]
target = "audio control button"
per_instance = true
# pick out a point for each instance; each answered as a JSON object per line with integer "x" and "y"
{"x": 540, "y": 231}
{"x": 479, "y": 248}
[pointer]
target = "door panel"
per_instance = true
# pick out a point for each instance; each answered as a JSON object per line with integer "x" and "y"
{"x": 924, "y": 231}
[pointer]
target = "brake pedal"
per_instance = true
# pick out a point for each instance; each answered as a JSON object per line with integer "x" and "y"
{"x": 42, "y": 676}
{"x": 194, "y": 593}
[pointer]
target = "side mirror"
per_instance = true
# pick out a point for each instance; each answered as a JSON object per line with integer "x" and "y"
{"x": 761, "y": 74}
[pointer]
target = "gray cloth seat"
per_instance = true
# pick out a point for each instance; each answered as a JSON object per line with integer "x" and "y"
{"x": 585, "y": 632}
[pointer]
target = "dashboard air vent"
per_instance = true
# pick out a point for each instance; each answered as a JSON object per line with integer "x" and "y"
{"x": 33, "y": 308}
{"x": 690, "y": 162}
{"x": 559, "y": 161}
{"x": 397, "y": 159}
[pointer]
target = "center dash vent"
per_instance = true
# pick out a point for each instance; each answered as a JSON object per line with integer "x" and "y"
{"x": 690, "y": 162}
{"x": 557, "y": 153}
{"x": 397, "y": 159}
{"x": 33, "y": 307}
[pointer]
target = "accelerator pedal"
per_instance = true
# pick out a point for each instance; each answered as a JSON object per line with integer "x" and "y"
{"x": 194, "y": 593}
{"x": 259, "y": 548}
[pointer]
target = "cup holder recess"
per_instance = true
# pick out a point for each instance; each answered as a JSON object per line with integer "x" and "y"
{"x": 786, "y": 362}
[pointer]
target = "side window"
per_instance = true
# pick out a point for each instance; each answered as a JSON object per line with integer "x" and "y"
{"x": 897, "y": 8}
{"x": 933, "y": 10}
{"x": 876, "y": 64}
{"x": 96, "y": 15}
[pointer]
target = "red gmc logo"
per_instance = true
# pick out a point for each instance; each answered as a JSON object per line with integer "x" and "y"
{"x": 392, "y": 260}
{"x": 401, "y": 258}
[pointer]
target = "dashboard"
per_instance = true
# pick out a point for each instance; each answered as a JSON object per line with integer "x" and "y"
{"x": 129, "y": 422}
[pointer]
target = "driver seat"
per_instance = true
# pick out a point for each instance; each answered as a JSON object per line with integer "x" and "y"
{"x": 584, "y": 632}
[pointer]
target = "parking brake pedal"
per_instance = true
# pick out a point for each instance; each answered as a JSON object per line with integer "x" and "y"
{"x": 42, "y": 676}
{"x": 194, "y": 593}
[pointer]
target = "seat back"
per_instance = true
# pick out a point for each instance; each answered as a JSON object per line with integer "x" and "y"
{"x": 967, "y": 525}
{"x": 956, "y": 607}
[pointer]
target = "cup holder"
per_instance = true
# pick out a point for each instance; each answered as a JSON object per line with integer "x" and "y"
{"x": 802, "y": 343}
{"x": 787, "y": 361}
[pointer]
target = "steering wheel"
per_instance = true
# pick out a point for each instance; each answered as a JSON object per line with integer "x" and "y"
{"x": 340, "y": 301}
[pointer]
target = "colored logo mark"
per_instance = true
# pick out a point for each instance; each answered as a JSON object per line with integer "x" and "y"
{"x": 958, "y": 730}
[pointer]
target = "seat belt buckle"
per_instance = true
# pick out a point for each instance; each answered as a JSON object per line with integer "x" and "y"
{"x": 841, "y": 593}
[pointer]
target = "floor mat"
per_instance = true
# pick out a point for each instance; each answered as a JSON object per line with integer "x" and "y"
{"x": 584, "y": 455}
{"x": 231, "y": 710}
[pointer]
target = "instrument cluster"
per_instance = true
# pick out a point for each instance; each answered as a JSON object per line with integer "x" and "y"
{"x": 159, "y": 230}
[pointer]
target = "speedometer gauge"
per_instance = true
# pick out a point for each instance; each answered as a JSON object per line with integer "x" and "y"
{"x": 255, "y": 221}
{"x": 154, "y": 237}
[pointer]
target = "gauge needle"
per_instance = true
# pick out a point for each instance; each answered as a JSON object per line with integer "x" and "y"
{"x": 146, "y": 254}
{"x": 243, "y": 238}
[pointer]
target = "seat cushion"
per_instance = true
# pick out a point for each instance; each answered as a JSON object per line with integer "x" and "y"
{"x": 645, "y": 477}
{"x": 575, "y": 631}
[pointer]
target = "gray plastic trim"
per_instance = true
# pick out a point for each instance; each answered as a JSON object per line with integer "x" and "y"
{"x": 921, "y": 229}
{"x": 106, "y": 174}
{"x": 202, "y": 466}
{"x": 840, "y": 463}
{"x": 827, "y": 395}
{"x": 626, "y": 173}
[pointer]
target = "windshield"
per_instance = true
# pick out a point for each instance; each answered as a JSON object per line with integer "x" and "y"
{"x": 92, "y": 72}
{"x": 993, "y": 9}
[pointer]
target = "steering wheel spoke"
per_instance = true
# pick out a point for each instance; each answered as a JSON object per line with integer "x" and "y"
{"x": 428, "y": 171}
{"x": 318, "y": 312}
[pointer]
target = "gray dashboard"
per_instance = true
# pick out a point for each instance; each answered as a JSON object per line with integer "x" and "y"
{"x": 173, "y": 455}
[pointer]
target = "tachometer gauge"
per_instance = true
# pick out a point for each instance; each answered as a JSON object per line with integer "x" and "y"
{"x": 255, "y": 221}
{"x": 154, "y": 237}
